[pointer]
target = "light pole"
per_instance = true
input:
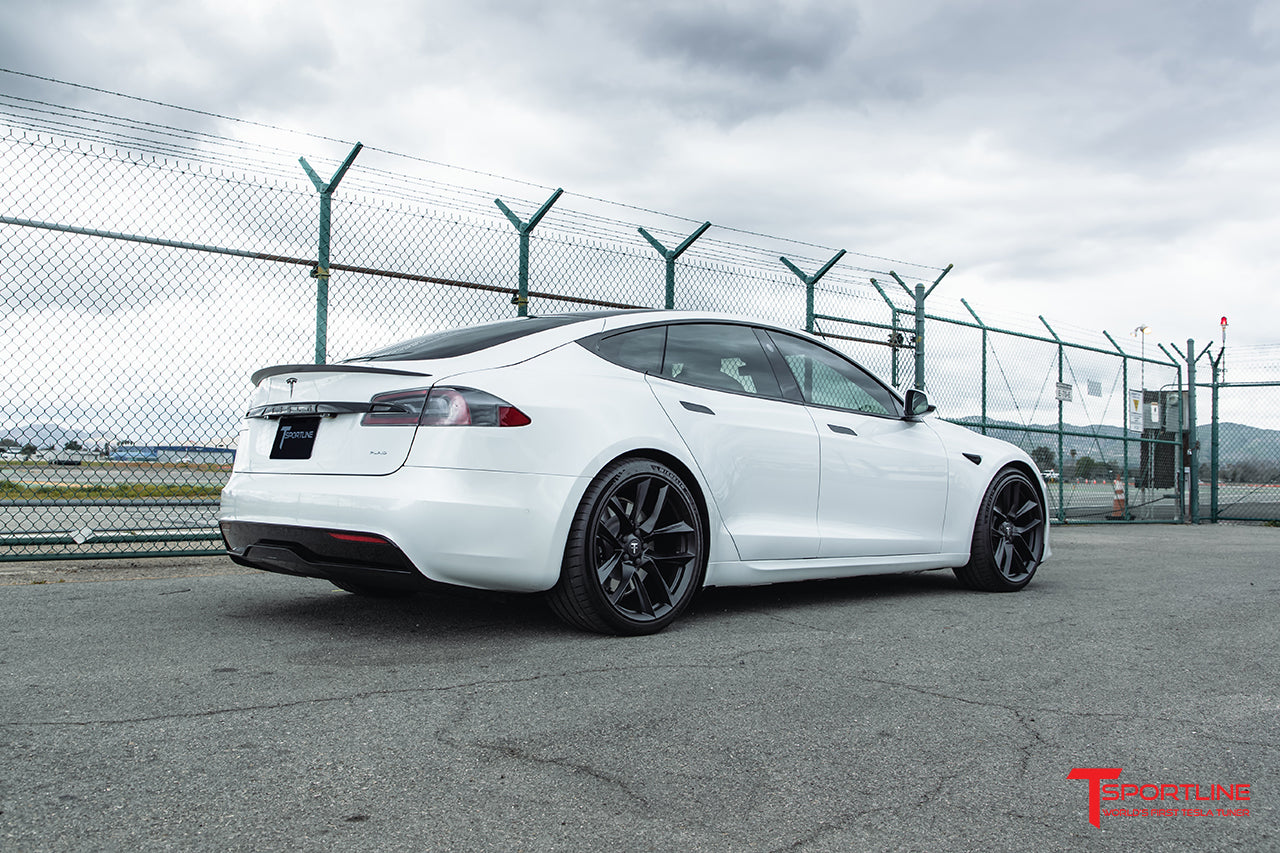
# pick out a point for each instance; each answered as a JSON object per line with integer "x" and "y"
{"x": 1141, "y": 333}
{"x": 1145, "y": 472}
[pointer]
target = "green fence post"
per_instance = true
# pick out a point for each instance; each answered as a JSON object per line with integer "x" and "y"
{"x": 1124, "y": 427}
{"x": 521, "y": 299}
{"x": 1182, "y": 509}
{"x": 894, "y": 334}
{"x": 809, "y": 282}
{"x": 920, "y": 295}
{"x": 1194, "y": 434}
{"x": 1192, "y": 449}
{"x": 321, "y": 271}
{"x": 984, "y": 363}
{"x": 1062, "y": 473}
{"x": 670, "y": 255}
{"x": 1213, "y": 441}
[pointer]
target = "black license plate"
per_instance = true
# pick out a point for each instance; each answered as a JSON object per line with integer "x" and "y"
{"x": 294, "y": 438}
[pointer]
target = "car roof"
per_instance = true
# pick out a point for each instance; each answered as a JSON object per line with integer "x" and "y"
{"x": 466, "y": 340}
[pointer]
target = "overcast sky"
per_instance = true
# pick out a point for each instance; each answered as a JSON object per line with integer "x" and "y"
{"x": 1105, "y": 164}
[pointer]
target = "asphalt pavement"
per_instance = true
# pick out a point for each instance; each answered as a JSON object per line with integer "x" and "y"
{"x": 189, "y": 704}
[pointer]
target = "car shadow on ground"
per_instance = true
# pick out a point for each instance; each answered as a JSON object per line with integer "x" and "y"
{"x": 444, "y": 612}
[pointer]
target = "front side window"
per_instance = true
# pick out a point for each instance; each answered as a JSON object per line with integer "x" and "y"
{"x": 720, "y": 356}
{"x": 827, "y": 379}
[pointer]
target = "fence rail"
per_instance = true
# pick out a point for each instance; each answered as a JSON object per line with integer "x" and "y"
{"x": 139, "y": 289}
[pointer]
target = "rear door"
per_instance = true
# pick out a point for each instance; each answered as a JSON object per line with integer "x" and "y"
{"x": 758, "y": 453}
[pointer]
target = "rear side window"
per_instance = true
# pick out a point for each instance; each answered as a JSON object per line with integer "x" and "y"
{"x": 721, "y": 356}
{"x": 638, "y": 349}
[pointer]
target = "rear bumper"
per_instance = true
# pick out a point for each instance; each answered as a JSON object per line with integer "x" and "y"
{"x": 318, "y": 553}
{"x": 483, "y": 529}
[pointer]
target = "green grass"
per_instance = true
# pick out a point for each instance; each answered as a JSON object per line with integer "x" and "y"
{"x": 10, "y": 490}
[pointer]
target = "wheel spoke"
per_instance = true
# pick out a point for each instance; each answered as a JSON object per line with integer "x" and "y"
{"x": 608, "y": 567}
{"x": 678, "y": 527}
{"x": 1022, "y": 549}
{"x": 1022, "y": 531}
{"x": 646, "y": 528}
{"x": 607, "y": 529}
{"x": 620, "y": 513}
{"x": 682, "y": 557}
{"x": 1030, "y": 506}
{"x": 628, "y": 580}
{"x": 642, "y": 593}
{"x": 1003, "y": 556}
{"x": 661, "y": 589}
{"x": 637, "y": 508}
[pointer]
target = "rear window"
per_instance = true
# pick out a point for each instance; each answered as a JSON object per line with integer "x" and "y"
{"x": 455, "y": 342}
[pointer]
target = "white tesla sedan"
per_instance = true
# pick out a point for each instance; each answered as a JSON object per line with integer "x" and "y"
{"x": 618, "y": 461}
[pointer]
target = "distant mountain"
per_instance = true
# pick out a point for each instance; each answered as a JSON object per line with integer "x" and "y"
{"x": 1237, "y": 443}
{"x": 47, "y": 435}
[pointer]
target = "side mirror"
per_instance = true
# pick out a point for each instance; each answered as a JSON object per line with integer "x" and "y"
{"x": 917, "y": 405}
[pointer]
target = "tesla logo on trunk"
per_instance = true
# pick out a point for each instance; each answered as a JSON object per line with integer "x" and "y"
{"x": 291, "y": 381}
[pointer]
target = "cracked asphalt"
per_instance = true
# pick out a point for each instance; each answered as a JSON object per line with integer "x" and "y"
{"x": 189, "y": 705}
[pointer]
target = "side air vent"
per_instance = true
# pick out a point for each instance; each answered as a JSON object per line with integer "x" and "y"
{"x": 974, "y": 458}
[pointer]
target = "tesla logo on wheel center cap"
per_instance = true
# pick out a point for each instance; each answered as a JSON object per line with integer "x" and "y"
{"x": 634, "y": 547}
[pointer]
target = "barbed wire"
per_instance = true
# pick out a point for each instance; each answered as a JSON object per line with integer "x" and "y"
{"x": 172, "y": 140}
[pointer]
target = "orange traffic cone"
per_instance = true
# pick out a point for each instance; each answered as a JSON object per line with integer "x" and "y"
{"x": 1117, "y": 503}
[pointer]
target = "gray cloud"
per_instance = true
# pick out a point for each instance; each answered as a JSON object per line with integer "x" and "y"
{"x": 1086, "y": 147}
{"x": 762, "y": 40}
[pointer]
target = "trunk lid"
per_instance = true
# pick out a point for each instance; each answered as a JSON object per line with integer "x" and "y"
{"x": 309, "y": 419}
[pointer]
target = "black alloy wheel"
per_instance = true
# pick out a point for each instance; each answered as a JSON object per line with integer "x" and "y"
{"x": 636, "y": 553}
{"x": 1008, "y": 535}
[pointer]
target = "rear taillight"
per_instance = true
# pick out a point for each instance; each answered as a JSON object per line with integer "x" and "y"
{"x": 443, "y": 406}
{"x": 399, "y": 408}
{"x": 469, "y": 407}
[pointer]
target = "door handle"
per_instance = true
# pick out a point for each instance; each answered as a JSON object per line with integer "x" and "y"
{"x": 696, "y": 407}
{"x": 843, "y": 430}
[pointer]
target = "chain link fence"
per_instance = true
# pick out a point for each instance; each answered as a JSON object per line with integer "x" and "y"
{"x": 142, "y": 284}
{"x": 1240, "y": 479}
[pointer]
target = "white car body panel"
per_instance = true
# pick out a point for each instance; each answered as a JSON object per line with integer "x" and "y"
{"x": 485, "y": 529}
{"x": 884, "y": 489}
{"x": 760, "y": 572}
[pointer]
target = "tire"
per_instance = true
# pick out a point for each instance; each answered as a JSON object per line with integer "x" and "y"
{"x": 1008, "y": 535}
{"x": 636, "y": 553}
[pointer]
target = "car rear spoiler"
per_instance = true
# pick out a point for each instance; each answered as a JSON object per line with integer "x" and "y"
{"x": 267, "y": 372}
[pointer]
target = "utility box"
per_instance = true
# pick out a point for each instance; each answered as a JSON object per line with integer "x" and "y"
{"x": 1173, "y": 412}
{"x": 1151, "y": 410}
{"x": 1161, "y": 418}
